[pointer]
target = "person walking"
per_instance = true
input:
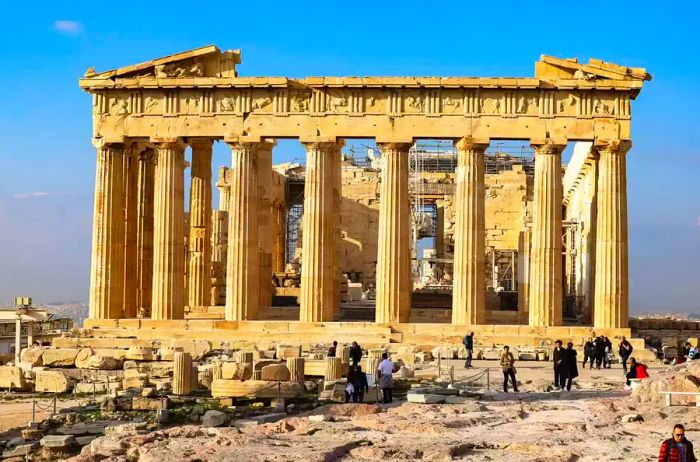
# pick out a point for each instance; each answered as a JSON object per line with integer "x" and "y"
{"x": 350, "y": 387}
{"x": 332, "y": 349}
{"x": 569, "y": 370}
{"x": 468, "y": 342}
{"x": 355, "y": 354}
{"x": 677, "y": 448}
{"x": 607, "y": 364}
{"x": 386, "y": 382}
{"x": 557, "y": 359}
{"x": 508, "y": 367}
{"x": 360, "y": 384}
{"x": 625, "y": 352}
{"x": 588, "y": 353}
{"x": 599, "y": 348}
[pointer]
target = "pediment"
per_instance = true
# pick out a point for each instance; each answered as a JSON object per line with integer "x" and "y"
{"x": 207, "y": 61}
{"x": 570, "y": 68}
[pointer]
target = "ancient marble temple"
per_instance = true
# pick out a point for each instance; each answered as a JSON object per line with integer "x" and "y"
{"x": 150, "y": 260}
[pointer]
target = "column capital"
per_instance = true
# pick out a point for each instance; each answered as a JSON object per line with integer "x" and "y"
{"x": 547, "y": 147}
{"x": 102, "y": 143}
{"x": 394, "y": 145}
{"x": 200, "y": 143}
{"x": 469, "y": 143}
{"x": 322, "y": 144}
{"x": 168, "y": 142}
{"x": 613, "y": 146}
{"x": 147, "y": 155}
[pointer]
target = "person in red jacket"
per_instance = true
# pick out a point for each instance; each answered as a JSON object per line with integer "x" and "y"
{"x": 637, "y": 371}
{"x": 677, "y": 448}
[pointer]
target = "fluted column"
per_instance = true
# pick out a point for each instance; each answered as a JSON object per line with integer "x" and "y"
{"x": 337, "y": 234}
{"x": 169, "y": 232}
{"x": 611, "y": 292}
{"x": 279, "y": 233}
{"x": 106, "y": 270}
{"x": 468, "y": 293}
{"x": 265, "y": 222}
{"x": 182, "y": 373}
{"x": 199, "y": 264}
{"x": 242, "y": 269}
{"x": 394, "y": 283}
{"x": 130, "y": 229}
{"x": 144, "y": 232}
{"x": 545, "y": 297}
{"x": 318, "y": 242}
{"x": 224, "y": 188}
{"x": 219, "y": 237}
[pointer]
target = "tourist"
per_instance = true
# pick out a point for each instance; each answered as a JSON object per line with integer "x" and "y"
{"x": 680, "y": 359}
{"x": 355, "y": 354}
{"x": 569, "y": 371}
{"x": 693, "y": 353}
{"x": 386, "y": 369}
{"x": 350, "y": 387}
{"x": 557, "y": 359}
{"x": 677, "y": 448}
{"x": 332, "y": 350}
{"x": 507, "y": 364}
{"x": 637, "y": 371}
{"x": 468, "y": 342}
{"x": 588, "y": 352}
{"x": 607, "y": 356}
{"x": 625, "y": 352}
{"x": 359, "y": 382}
{"x": 599, "y": 348}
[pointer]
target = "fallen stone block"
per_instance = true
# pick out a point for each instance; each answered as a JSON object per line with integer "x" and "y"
{"x": 85, "y": 440}
{"x": 52, "y": 382}
{"x": 225, "y": 388}
{"x": 213, "y": 418}
{"x": 435, "y": 391}
{"x": 168, "y": 353}
{"x": 12, "y": 377}
{"x": 236, "y": 371}
{"x": 276, "y": 372}
{"x": 140, "y": 354}
{"x": 88, "y": 358}
{"x": 140, "y": 403}
{"x": 59, "y": 357}
{"x": 244, "y": 423}
{"x": 197, "y": 348}
{"x": 125, "y": 428}
{"x": 97, "y": 387}
{"x": 405, "y": 372}
{"x": 317, "y": 418}
{"x": 21, "y": 451}
{"x": 288, "y": 351}
{"x": 57, "y": 441}
{"x": 425, "y": 399}
{"x": 32, "y": 356}
{"x": 444, "y": 352}
{"x": 32, "y": 434}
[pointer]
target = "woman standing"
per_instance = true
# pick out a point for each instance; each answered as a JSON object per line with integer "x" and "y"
{"x": 507, "y": 364}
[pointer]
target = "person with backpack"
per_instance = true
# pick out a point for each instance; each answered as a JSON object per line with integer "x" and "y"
{"x": 468, "y": 342}
{"x": 588, "y": 353}
{"x": 557, "y": 358}
{"x": 625, "y": 352}
{"x": 677, "y": 448}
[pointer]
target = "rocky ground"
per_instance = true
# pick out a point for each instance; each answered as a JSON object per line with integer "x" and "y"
{"x": 595, "y": 422}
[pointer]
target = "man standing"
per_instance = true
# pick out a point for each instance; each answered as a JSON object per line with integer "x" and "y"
{"x": 625, "y": 352}
{"x": 569, "y": 370}
{"x": 468, "y": 342}
{"x": 588, "y": 353}
{"x": 677, "y": 448}
{"x": 599, "y": 347}
{"x": 508, "y": 367}
{"x": 332, "y": 350}
{"x": 557, "y": 358}
{"x": 386, "y": 369}
{"x": 355, "y": 354}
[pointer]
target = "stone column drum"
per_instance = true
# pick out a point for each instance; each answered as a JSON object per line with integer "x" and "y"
{"x": 296, "y": 369}
{"x": 199, "y": 265}
{"x": 106, "y": 270}
{"x": 468, "y": 296}
{"x": 611, "y": 286}
{"x": 144, "y": 232}
{"x": 334, "y": 369}
{"x": 182, "y": 373}
{"x": 394, "y": 283}
{"x": 318, "y": 241}
{"x": 265, "y": 222}
{"x": 130, "y": 229}
{"x": 242, "y": 271}
{"x": 219, "y": 236}
{"x": 545, "y": 296}
{"x": 168, "y": 299}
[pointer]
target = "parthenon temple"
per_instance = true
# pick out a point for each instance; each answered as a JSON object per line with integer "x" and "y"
{"x": 457, "y": 214}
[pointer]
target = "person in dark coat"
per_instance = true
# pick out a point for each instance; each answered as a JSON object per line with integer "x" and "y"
{"x": 332, "y": 350}
{"x": 557, "y": 359}
{"x": 355, "y": 354}
{"x": 468, "y": 342}
{"x": 608, "y": 349}
{"x": 359, "y": 382}
{"x": 625, "y": 352}
{"x": 569, "y": 370}
{"x": 588, "y": 353}
{"x": 599, "y": 348}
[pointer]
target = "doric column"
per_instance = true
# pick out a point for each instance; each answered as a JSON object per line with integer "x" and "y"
{"x": 219, "y": 236}
{"x": 144, "y": 232}
{"x": 168, "y": 300}
{"x": 224, "y": 188}
{"x": 265, "y": 222}
{"x": 394, "y": 283}
{"x": 106, "y": 271}
{"x": 318, "y": 240}
{"x": 337, "y": 234}
{"x": 468, "y": 293}
{"x": 242, "y": 271}
{"x": 279, "y": 233}
{"x": 611, "y": 272}
{"x": 130, "y": 229}
{"x": 199, "y": 264}
{"x": 545, "y": 297}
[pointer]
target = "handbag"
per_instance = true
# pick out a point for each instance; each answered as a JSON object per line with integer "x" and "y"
{"x": 515, "y": 371}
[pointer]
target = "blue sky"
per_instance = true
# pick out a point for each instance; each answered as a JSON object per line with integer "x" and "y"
{"x": 47, "y": 161}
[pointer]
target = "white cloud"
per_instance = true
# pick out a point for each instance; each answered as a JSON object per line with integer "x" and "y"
{"x": 68, "y": 27}
{"x": 31, "y": 195}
